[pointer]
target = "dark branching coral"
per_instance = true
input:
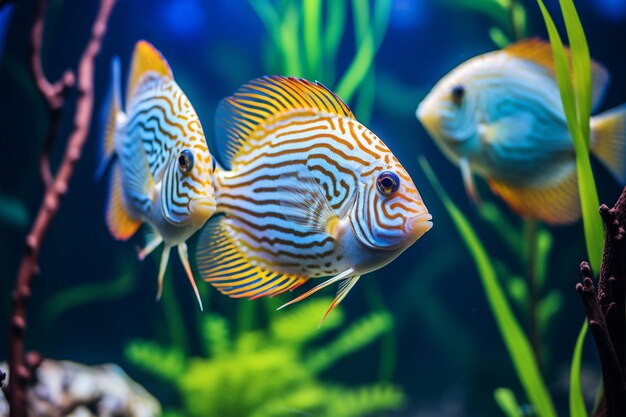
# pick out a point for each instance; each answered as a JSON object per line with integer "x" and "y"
{"x": 22, "y": 367}
{"x": 605, "y": 306}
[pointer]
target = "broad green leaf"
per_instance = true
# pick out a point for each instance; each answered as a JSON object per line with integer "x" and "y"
{"x": 515, "y": 340}
{"x": 576, "y": 401}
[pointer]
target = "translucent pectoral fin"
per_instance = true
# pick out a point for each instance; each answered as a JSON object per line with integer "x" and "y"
{"x": 184, "y": 258}
{"x": 153, "y": 242}
{"x": 468, "y": 181}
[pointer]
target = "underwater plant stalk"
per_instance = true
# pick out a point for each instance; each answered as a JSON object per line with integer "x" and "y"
{"x": 576, "y": 400}
{"x": 515, "y": 340}
{"x": 530, "y": 232}
{"x": 22, "y": 366}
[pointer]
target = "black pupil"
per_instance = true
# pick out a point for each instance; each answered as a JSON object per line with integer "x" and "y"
{"x": 457, "y": 93}
{"x": 182, "y": 160}
{"x": 387, "y": 182}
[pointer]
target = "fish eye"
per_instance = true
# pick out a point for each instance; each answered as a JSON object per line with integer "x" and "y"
{"x": 458, "y": 91}
{"x": 185, "y": 161}
{"x": 388, "y": 183}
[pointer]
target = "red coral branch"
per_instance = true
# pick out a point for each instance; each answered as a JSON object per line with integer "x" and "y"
{"x": 605, "y": 306}
{"x": 22, "y": 367}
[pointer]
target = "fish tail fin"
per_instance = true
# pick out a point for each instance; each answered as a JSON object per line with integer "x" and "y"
{"x": 608, "y": 140}
{"x": 111, "y": 109}
{"x": 119, "y": 221}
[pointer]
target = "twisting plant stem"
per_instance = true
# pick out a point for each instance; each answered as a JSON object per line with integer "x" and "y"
{"x": 22, "y": 366}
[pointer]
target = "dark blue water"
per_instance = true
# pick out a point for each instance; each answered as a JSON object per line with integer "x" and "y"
{"x": 448, "y": 353}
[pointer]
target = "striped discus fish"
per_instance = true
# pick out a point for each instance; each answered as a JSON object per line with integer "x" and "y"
{"x": 500, "y": 115}
{"x": 307, "y": 192}
{"x": 162, "y": 169}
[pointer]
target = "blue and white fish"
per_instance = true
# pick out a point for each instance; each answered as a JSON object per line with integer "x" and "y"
{"x": 162, "y": 169}
{"x": 500, "y": 116}
{"x": 306, "y": 191}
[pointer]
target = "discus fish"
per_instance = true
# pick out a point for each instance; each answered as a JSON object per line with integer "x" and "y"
{"x": 500, "y": 115}
{"x": 162, "y": 169}
{"x": 306, "y": 191}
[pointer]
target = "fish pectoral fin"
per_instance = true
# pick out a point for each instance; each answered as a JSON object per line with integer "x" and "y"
{"x": 305, "y": 204}
{"x": 184, "y": 258}
{"x": 120, "y": 223}
{"x": 222, "y": 263}
{"x": 557, "y": 202}
{"x": 165, "y": 257}
{"x": 468, "y": 181}
{"x": 153, "y": 241}
{"x": 344, "y": 275}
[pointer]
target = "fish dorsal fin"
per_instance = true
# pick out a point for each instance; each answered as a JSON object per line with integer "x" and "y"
{"x": 225, "y": 264}
{"x": 265, "y": 99}
{"x": 146, "y": 59}
{"x": 539, "y": 51}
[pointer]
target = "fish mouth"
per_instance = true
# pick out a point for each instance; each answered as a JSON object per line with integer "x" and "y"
{"x": 418, "y": 225}
{"x": 204, "y": 207}
{"x": 428, "y": 117}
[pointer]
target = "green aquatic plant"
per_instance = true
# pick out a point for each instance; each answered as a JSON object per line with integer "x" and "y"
{"x": 273, "y": 371}
{"x": 577, "y": 106}
{"x": 306, "y": 37}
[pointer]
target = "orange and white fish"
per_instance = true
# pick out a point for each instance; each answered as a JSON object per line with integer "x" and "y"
{"x": 307, "y": 191}
{"x": 500, "y": 116}
{"x": 162, "y": 169}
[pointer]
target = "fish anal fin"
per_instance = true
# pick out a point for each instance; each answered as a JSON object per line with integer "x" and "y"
{"x": 556, "y": 203}
{"x": 146, "y": 59}
{"x": 344, "y": 288}
{"x": 539, "y": 51}
{"x": 265, "y": 99}
{"x": 222, "y": 263}
{"x": 120, "y": 223}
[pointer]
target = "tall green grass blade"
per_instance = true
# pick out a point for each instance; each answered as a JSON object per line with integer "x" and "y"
{"x": 576, "y": 401}
{"x": 289, "y": 41}
{"x": 368, "y": 46}
{"x": 335, "y": 24}
{"x": 312, "y": 17}
{"x": 581, "y": 64}
{"x": 514, "y": 338}
{"x": 592, "y": 224}
{"x": 505, "y": 398}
